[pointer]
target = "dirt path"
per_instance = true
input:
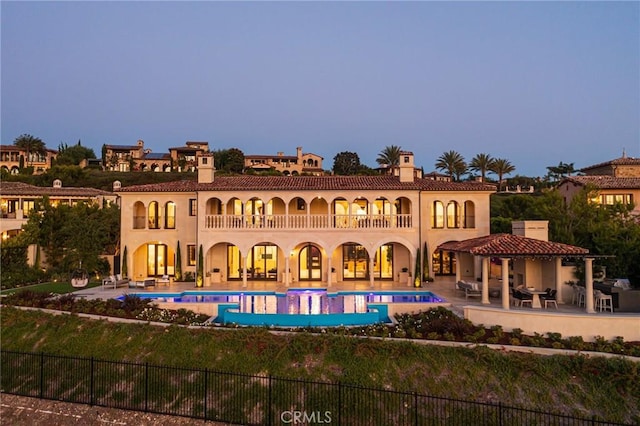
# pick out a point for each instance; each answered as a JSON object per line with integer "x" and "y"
{"x": 23, "y": 411}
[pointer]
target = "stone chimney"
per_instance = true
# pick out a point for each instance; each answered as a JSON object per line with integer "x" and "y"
{"x": 406, "y": 166}
{"x": 537, "y": 229}
{"x": 206, "y": 168}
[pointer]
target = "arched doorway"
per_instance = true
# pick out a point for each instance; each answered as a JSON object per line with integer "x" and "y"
{"x": 310, "y": 263}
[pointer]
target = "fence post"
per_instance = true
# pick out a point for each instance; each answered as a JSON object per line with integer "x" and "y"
{"x": 206, "y": 391}
{"x": 500, "y": 414}
{"x": 269, "y": 404}
{"x": 415, "y": 407}
{"x": 339, "y": 403}
{"x": 91, "y": 386}
{"x": 146, "y": 386}
{"x": 41, "y": 375}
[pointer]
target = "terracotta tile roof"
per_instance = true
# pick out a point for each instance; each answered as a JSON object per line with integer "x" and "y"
{"x": 24, "y": 189}
{"x": 310, "y": 183}
{"x": 512, "y": 246}
{"x": 156, "y": 156}
{"x": 271, "y": 157}
{"x": 622, "y": 161}
{"x": 128, "y": 147}
{"x": 606, "y": 182}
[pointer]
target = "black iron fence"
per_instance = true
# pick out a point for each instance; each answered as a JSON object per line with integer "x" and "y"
{"x": 246, "y": 399}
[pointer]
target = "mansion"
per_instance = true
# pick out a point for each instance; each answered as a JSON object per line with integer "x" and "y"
{"x": 289, "y": 229}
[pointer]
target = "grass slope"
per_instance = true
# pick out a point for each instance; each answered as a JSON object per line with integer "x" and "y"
{"x": 576, "y": 385}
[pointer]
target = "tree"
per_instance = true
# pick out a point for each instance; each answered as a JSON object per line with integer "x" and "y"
{"x": 73, "y": 155}
{"x": 558, "y": 172}
{"x": 229, "y": 160}
{"x": 453, "y": 163}
{"x": 417, "y": 277}
{"x": 501, "y": 167}
{"x": 73, "y": 234}
{"x": 481, "y": 163}
{"x": 346, "y": 163}
{"x": 31, "y": 144}
{"x": 178, "y": 270}
{"x": 200, "y": 272}
{"x": 125, "y": 267}
{"x": 389, "y": 156}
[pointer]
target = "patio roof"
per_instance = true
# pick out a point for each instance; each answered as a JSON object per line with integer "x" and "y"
{"x": 509, "y": 245}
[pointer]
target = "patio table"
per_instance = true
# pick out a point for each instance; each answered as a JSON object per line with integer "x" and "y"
{"x": 535, "y": 296}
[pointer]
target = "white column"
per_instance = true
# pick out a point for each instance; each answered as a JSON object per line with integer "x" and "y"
{"x": 328, "y": 271}
{"x": 243, "y": 260}
{"x": 505, "y": 283}
{"x": 458, "y": 268}
{"x": 371, "y": 271}
{"x": 287, "y": 274}
{"x": 559, "y": 280}
{"x": 588, "y": 281}
{"x": 485, "y": 281}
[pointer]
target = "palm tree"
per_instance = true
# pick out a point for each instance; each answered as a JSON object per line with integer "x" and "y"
{"x": 453, "y": 163}
{"x": 481, "y": 163}
{"x": 31, "y": 144}
{"x": 501, "y": 167}
{"x": 389, "y": 156}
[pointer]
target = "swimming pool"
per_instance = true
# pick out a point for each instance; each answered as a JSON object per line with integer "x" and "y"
{"x": 298, "y": 307}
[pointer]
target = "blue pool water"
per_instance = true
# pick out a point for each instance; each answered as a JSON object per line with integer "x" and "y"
{"x": 299, "y": 307}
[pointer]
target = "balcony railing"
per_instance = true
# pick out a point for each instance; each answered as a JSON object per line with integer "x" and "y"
{"x": 311, "y": 221}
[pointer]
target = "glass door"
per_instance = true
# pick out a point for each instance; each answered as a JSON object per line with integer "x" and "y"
{"x": 310, "y": 263}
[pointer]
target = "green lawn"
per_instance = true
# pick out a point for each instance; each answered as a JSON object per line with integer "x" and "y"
{"x": 51, "y": 287}
{"x": 575, "y": 385}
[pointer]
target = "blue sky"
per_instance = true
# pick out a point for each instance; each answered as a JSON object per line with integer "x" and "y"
{"x": 535, "y": 83}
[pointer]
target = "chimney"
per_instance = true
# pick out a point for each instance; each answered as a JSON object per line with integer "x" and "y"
{"x": 406, "y": 166}
{"x": 206, "y": 168}
{"x": 537, "y": 229}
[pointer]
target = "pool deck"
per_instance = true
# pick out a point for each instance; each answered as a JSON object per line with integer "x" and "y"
{"x": 442, "y": 286}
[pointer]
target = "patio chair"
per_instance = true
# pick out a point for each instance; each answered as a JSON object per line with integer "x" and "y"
{"x": 521, "y": 299}
{"x": 603, "y": 301}
{"x": 549, "y": 298}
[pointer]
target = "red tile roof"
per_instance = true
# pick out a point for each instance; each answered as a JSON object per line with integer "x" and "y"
{"x": 24, "y": 189}
{"x": 310, "y": 183}
{"x": 606, "y": 182}
{"x": 622, "y": 161}
{"x": 510, "y": 245}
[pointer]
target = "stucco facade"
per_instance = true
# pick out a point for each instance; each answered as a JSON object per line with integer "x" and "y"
{"x": 293, "y": 229}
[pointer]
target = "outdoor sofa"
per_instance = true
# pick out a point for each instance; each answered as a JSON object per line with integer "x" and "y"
{"x": 114, "y": 281}
{"x": 147, "y": 282}
{"x": 470, "y": 289}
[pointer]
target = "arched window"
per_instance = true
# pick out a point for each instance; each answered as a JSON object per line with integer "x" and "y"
{"x": 170, "y": 215}
{"x": 452, "y": 215}
{"x": 138, "y": 215}
{"x": 438, "y": 214}
{"x": 153, "y": 217}
{"x": 469, "y": 214}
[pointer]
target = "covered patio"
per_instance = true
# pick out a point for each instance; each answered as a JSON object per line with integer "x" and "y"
{"x": 535, "y": 263}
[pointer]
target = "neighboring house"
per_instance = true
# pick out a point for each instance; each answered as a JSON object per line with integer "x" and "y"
{"x": 617, "y": 181}
{"x": 301, "y": 163}
{"x": 305, "y": 228}
{"x": 126, "y": 158}
{"x": 17, "y": 199}
{"x": 10, "y": 159}
{"x": 623, "y": 167}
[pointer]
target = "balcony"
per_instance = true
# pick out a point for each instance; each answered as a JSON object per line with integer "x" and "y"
{"x": 311, "y": 221}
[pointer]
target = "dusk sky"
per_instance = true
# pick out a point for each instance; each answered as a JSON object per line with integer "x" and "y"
{"x": 536, "y": 83}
